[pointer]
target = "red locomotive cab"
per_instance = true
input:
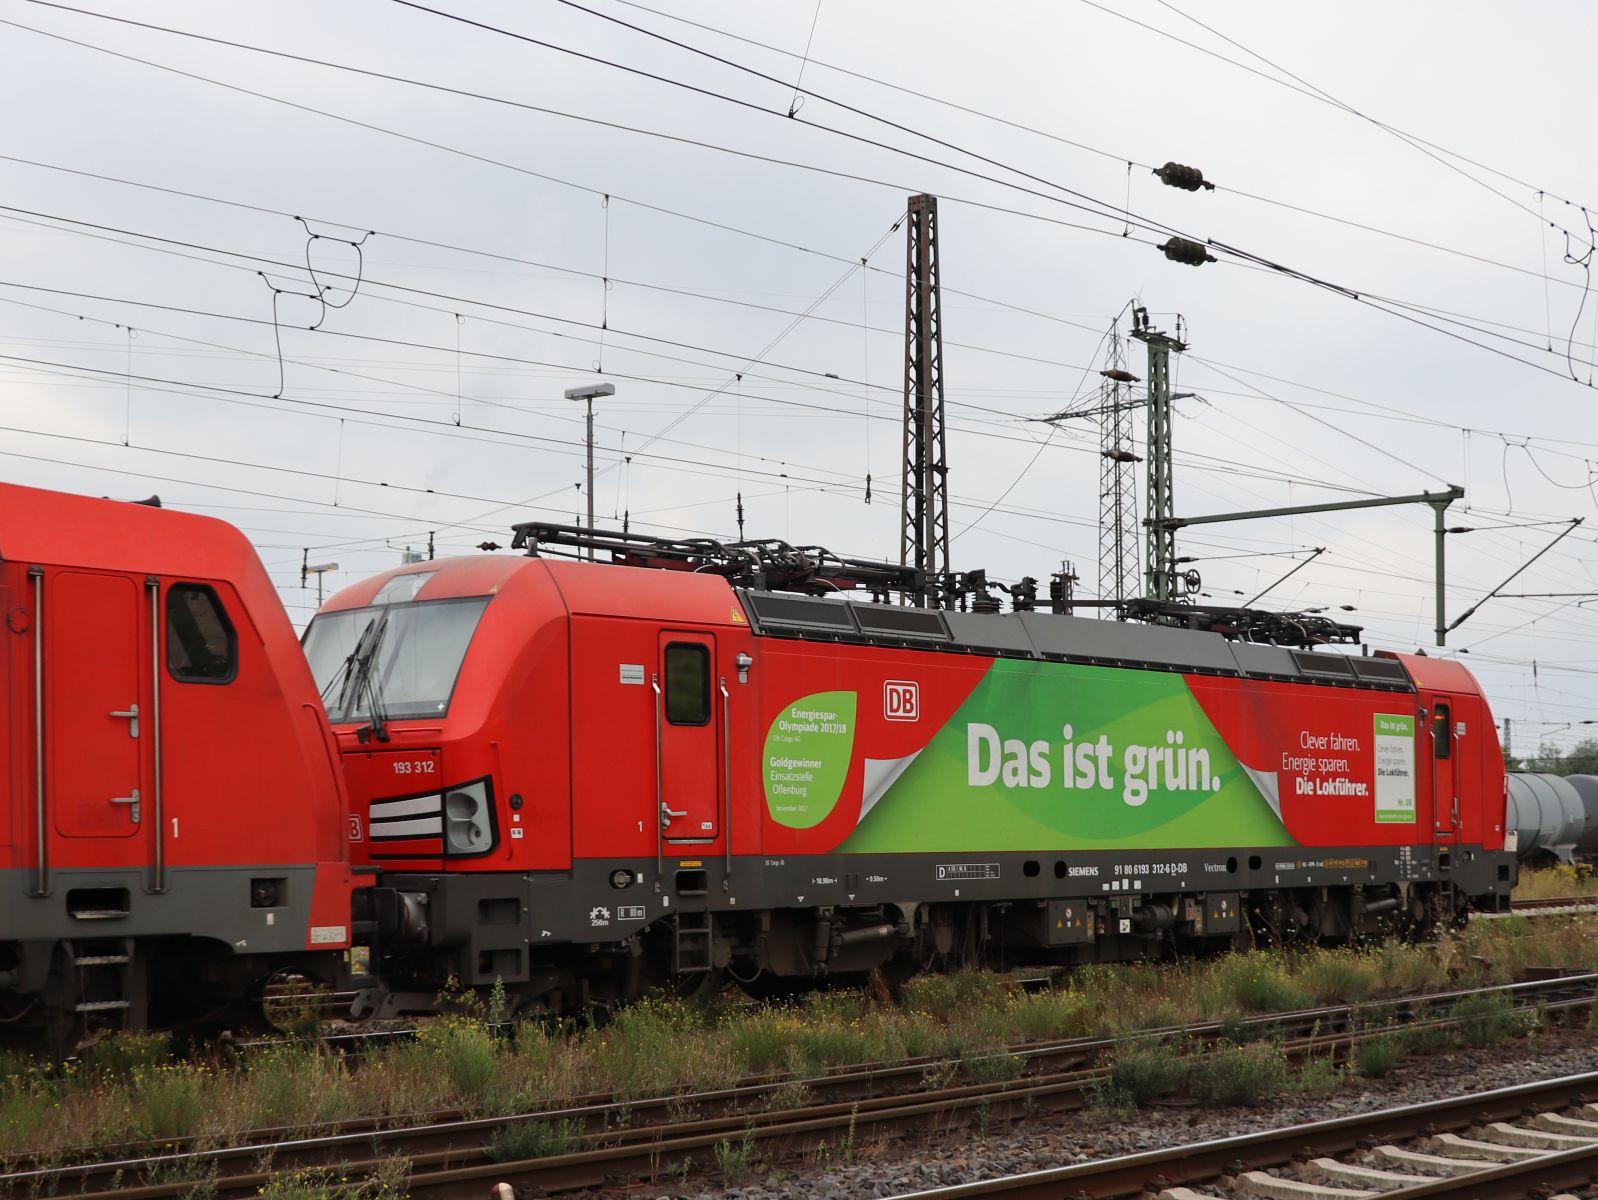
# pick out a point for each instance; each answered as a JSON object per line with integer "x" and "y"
{"x": 517, "y": 731}
{"x": 1457, "y": 737}
{"x": 442, "y": 681}
{"x": 148, "y": 872}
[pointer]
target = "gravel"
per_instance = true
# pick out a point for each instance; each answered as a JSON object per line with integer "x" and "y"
{"x": 911, "y": 1164}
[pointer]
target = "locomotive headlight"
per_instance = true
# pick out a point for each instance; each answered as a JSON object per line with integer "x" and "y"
{"x": 468, "y": 824}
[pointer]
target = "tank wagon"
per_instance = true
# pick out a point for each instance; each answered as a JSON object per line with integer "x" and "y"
{"x": 175, "y": 822}
{"x": 580, "y": 779}
{"x": 1548, "y": 816}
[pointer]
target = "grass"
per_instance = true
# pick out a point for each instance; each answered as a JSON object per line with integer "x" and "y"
{"x": 1238, "y": 1075}
{"x": 1142, "y": 1072}
{"x": 534, "y": 1139}
{"x": 738, "y": 1161}
{"x": 128, "y": 1088}
{"x": 1562, "y": 880}
{"x": 1376, "y": 1057}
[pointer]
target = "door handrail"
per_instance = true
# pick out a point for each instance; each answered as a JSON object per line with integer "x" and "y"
{"x": 726, "y": 783}
{"x": 158, "y": 879}
{"x": 41, "y": 879}
{"x": 660, "y": 787}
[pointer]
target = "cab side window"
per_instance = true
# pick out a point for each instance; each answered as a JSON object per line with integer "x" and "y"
{"x": 201, "y": 646}
{"x": 687, "y": 684}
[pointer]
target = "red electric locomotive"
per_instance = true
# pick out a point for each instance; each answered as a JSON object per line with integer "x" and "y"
{"x": 175, "y": 822}
{"x": 581, "y": 779}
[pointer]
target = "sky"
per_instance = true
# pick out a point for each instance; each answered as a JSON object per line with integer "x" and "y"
{"x": 337, "y": 302}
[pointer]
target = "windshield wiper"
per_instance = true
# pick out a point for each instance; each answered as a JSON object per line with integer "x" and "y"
{"x": 377, "y": 724}
{"x": 344, "y": 673}
{"x": 358, "y": 681}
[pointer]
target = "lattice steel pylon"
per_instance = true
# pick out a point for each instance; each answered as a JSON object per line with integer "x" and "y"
{"x": 1160, "y": 556}
{"x": 1118, "y": 542}
{"x": 924, "y": 531}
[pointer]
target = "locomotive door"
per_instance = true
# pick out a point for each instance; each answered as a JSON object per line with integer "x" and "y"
{"x": 689, "y": 706}
{"x": 95, "y": 725}
{"x": 1445, "y": 768}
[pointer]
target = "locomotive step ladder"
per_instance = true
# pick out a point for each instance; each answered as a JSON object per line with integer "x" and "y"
{"x": 104, "y": 978}
{"x": 691, "y": 943}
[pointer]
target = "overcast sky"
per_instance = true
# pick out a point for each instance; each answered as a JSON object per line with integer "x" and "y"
{"x": 1431, "y": 159}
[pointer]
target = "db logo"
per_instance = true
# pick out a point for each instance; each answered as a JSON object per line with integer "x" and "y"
{"x": 901, "y": 700}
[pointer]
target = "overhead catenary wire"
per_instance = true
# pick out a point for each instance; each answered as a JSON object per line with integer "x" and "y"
{"x": 1098, "y": 151}
{"x": 1069, "y": 197}
{"x": 141, "y": 355}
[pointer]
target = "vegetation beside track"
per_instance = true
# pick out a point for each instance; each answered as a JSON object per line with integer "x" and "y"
{"x": 129, "y": 1088}
{"x": 1551, "y": 882}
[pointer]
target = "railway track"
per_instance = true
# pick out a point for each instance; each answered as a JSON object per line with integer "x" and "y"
{"x": 1552, "y": 905}
{"x": 1538, "y": 1139}
{"x": 603, "y": 1139}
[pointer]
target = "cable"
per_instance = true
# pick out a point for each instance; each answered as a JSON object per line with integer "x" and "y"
{"x": 1083, "y": 146}
{"x": 1314, "y": 93}
{"x": 1102, "y": 209}
{"x": 616, "y": 280}
{"x": 456, "y": 301}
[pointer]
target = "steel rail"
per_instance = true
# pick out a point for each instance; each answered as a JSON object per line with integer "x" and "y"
{"x": 1203, "y": 1163}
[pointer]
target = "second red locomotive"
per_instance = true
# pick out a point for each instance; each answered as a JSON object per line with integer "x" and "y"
{"x": 174, "y": 832}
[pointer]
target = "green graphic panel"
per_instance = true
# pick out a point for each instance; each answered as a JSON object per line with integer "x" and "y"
{"x": 1072, "y": 757}
{"x": 1395, "y": 768}
{"x": 807, "y": 758}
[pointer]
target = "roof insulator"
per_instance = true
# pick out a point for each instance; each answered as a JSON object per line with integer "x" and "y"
{"x": 1119, "y": 375}
{"x": 1177, "y": 175}
{"x": 1119, "y": 455}
{"x": 1184, "y": 250}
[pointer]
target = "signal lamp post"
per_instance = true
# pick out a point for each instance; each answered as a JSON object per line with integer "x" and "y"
{"x": 590, "y": 394}
{"x": 318, "y": 572}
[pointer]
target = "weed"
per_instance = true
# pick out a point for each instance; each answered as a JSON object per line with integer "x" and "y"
{"x": 1375, "y": 1057}
{"x": 1320, "y": 1076}
{"x": 521, "y": 1140}
{"x": 1563, "y": 880}
{"x": 123, "y": 1055}
{"x": 1140, "y": 1073}
{"x": 793, "y": 1094}
{"x": 1421, "y": 1040}
{"x": 1482, "y": 1018}
{"x": 1253, "y": 982}
{"x": 984, "y": 1119}
{"x": 200, "y": 1176}
{"x": 942, "y": 996}
{"x": 814, "y": 1048}
{"x": 170, "y": 1100}
{"x": 1238, "y": 1074}
{"x": 1337, "y": 976}
{"x": 1237, "y": 1029}
{"x": 464, "y": 1052}
{"x": 760, "y": 1040}
{"x": 940, "y": 1075}
{"x": 1489, "y": 1017}
{"x": 1052, "y": 1014}
{"x": 660, "y": 1045}
{"x": 737, "y": 1161}
{"x": 327, "y": 1183}
{"x": 995, "y": 1068}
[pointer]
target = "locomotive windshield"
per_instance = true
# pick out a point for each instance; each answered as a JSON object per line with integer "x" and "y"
{"x": 392, "y": 661}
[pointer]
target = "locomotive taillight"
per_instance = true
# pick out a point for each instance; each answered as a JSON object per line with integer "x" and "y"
{"x": 468, "y": 822}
